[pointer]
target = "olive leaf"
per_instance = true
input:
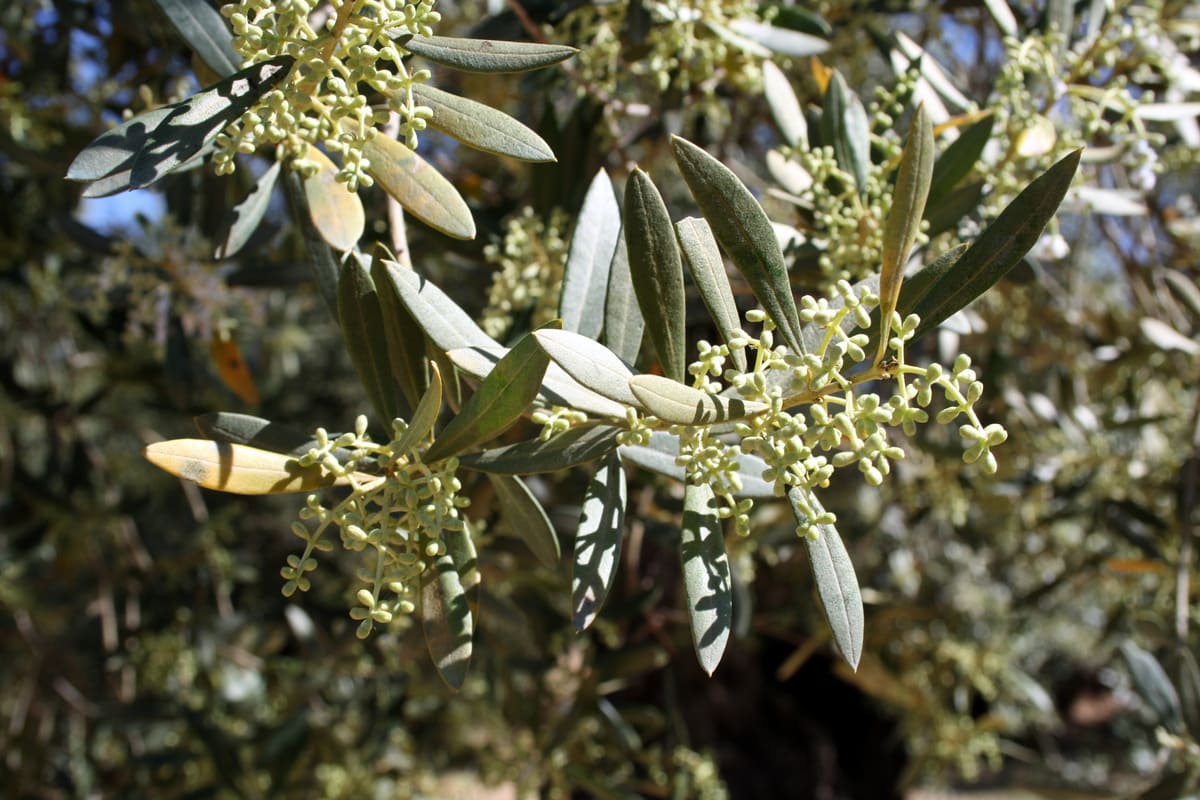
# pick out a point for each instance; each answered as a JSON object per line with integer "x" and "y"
{"x": 660, "y": 454}
{"x": 404, "y": 336}
{"x": 845, "y": 127}
{"x": 590, "y": 363}
{"x": 361, "y": 318}
{"x": 418, "y": 187}
{"x": 703, "y": 259}
{"x": 743, "y": 230}
{"x": 481, "y": 126}
{"x": 263, "y": 434}
{"x": 526, "y": 518}
{"x": 706, "y": 576}
{"x": 598, "y": 541}
{"x": 657, "y": 271}
{"x": 446, "y": 619}
{"x": 593, "y": 246}
{"x": 623, "y": 323}
{"x": 784, "y": 105}
{"x": 237, "y": 468}
{"x": 425, "y": 414}
{"x": 567, "y": 449}
{"x": 246, "y": 216}
{"x": 486, "y": 55}
{"x": 204, "y": 30}
{"x": 958, "y": 159}
{"x": 336, "y": 212}
{"x": 674, "y": 402}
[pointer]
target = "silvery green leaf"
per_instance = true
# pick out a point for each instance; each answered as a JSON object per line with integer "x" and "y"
{"x": 246, "y": 215}
{"x": 659, "y": 456}
{"x": 784, "y": 105}
{"x": 590, "y": 363}
{"x": 932, "y": 72}
{"x": 623, "y": 323}
{"x": 844, "y": 125}
{"x": 674, "y": 402}
{"x": 731, "y": 37}
{"x": 442, "y": 320}
{"x": 481, "y": 126}
{"x": 837, "y": 585}
{"x": 1113, "y": 202}
{"x": 503, "y": 396}
{"x": 416, "y": 185}
{"x": 405, "y": 339}
{"x": 567, "y": 449}
{"x": 362, "y": 328}
{"x": 1166, "y": 112}
{"x": 321, "y": 259}
{"x": 1164, "y": 337}
{"x": 706, "y": 577}
{"x": 425, "y": 414}
{"x": 703, "y": 259}
{"x": 525, "y": 518}
{"x": 657, "y": 271}
{"x": 1152, "y": 683}
{"x": 485, "y": 55}
{"x": 1003, "y": 16}
{"x": 593, "y": 246}
{"x": 203, "y": 28}
{"x": 598, "y": 541}
{"x": 780, "y": 40}
{"x": 790, "y": 175}
{"x": 446, "y": 620}
{"x": 745, "y": 232}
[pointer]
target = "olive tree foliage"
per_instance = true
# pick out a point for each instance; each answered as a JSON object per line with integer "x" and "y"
{"x": 752, "y": 356}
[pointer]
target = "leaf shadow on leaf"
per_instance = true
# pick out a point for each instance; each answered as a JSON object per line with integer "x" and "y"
{"x": 715, "y": 599}
{"x": 598, "y": 542}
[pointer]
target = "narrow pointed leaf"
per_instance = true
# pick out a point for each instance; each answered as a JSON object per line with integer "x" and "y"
{"x": 1152, "y": 683}
{"x": 959, "y": 158}
{"x": 742, "y": 228}
{"x": 784, "y": 105}
{"x": 461, "y": 549}
{"x": 703, "y": 259}
{"x": 321, "y": 259}
{"x": 203, "y": 28}
{"x": 405, "y": 339}
{"x": 598, "y": 541}
{"x": 237, "y": 468}
{"x": 485, "y": 55}
{"x": 419, "y": 187}
{"x": 442, "y": 320}
{"x": 837, "y": 585}
{"x": 335, "y": 211}
{"x": 953, "y": 207}
{"x": 914, "y": 288}
{"x": 446, "y": 620}
{"x": 844, "y": 125}
{"x": 248, "y": 214}
{"x": 481, "y": 126}
{"x": 1000, "y": 247}
{"x": 731, "y": 37}
{"x": 589, "y": 362}
{"x": 526, "y": 518}
{"x": 114, "y": 150}
{"x": 706, "y": 577}
{"x": 623, "y": 323}
{"x": 933, "y": 72}
{"x": 503, "y": 396}
{"x": 674, "y": 402}
{"x": 362, "y": 327}
{"x": 223, "y": 426}
{"x": 659, "y": 456}
{"x": 908, "y": 208}
{"x": 780, "y": 40}
{"x": 567, "y": 449}
{"x": 657, "y": 271}
{"x": 593, "y": 246}
{"x": 425, "y": 415}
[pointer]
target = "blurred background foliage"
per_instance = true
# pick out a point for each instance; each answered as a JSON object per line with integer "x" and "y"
{"x": 146, "y": 649}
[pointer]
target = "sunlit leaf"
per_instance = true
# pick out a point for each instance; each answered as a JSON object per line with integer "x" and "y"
{"x": 598, "y": 541}
{"x": 484, "y": 55}
{"x": 590, "y": 363}
{"x": 837, "y": 585}
{"x": 703, "y": 259}
{"x": 567, "y": 449}
{"x": 706, "y": 577}
{"x": 442, "y": 320}
{"x": 362, "y": 328}
{"x": 237, "y": 468}
{"x": 1164, "y": 337}
{"x": 415, "y": 184}
{"x": 784, "y": 105}
{"x": 932, "y": 72}
{"x": 903, "y": 222}
{"x": 674, "y": 402}
{"x": 593, "y": 246}
{"x": 1167, "y": 112}
{"x": 245, "y": 217}
{"x": 205, "y": 31}
{"x": 623, "y": 323}
{"x": 504, "y": 395}
{"x": 731, "y": 37}
{"x": 742, "y": 228}
{"x": 481, "y": 126}
{"x": 657, "y": 271}
{"x": 525, "y": 518}
{"x": 335, "y": 211}
{"x": 780, "y": 40}
{"x": 1000, "y": 247}
{"x": 232, "y": 368}
{"x": 446, "y": 620}
{"x": 425, "y": 414}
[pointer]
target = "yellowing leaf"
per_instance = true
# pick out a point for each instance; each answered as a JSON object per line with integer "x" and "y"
{"x": 227, "y": 358}
{"x": 335, "y": 211}
{"x": 238, "y": 468}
